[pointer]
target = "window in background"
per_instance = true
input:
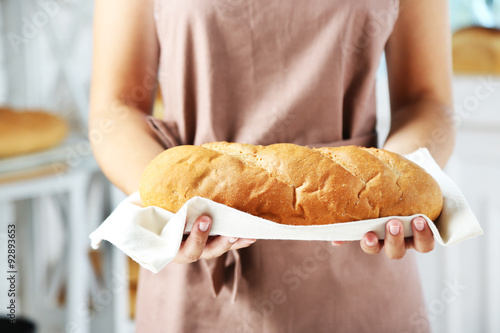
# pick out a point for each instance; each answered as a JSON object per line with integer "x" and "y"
{"x": 465, "y": 13}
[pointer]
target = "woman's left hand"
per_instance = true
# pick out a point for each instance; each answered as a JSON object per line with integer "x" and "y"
{"x": 395, "y": 243}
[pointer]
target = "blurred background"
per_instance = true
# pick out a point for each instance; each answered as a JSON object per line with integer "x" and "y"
{"x": 52, "y": 194}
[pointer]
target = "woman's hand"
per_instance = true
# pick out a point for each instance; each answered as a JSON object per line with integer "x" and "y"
{"x": 199, "y": 245}
{"x": 395, "y": 243}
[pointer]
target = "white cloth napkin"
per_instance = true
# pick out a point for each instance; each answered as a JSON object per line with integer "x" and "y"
{"x": 152, "y": 236}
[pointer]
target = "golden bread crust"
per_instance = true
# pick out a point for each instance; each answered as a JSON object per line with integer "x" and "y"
{"x": 291, "y": 184}
{"x": 23, "y": 132}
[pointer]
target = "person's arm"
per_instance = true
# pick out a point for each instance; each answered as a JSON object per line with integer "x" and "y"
{"x": 125, "y": 63}
{"x": 418, "y": 57}
{"x": 419, "y": 68}
{"x": 420, "y": 74}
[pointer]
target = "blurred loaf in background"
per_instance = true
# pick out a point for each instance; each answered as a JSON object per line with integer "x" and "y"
{"x": 476, "y": 50}
{"x": 27, "y": 131}
{"x": 158, "y": 105}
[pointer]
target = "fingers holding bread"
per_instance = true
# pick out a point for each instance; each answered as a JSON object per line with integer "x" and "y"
{"x": 370, "y": 243}
{"x": 221, "y": 244}
{"x": 394, "y": 242}
{"x": 194, "y": 245}
{"x": 199, "y": 244}
{"x": 423, "y": 239}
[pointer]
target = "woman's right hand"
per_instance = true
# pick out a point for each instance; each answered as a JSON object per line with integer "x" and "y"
{"x": 199, "y": 245}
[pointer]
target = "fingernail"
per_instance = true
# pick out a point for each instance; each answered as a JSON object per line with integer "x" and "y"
{"x": 203, "y": 225}
{"x": 394, "y": 229}
{"x": 371, "y": 242}
{"x": 251, "y": 241}
{"x": 205, "y": 218}
{"x": 419, "y": 224}
{"x": 233, "y": 239}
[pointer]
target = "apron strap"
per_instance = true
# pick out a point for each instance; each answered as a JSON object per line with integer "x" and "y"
{"x": 166, "y": 131}
{"x": 222, "y": 270}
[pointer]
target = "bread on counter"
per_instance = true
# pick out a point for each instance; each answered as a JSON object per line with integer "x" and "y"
{"x": 26, "y": 131}
{"x": 476, "y": 50}
{"x": 291, "y": 184}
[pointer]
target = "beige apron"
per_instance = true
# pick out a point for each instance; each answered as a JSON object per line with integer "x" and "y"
{"x": 266, "y": 71}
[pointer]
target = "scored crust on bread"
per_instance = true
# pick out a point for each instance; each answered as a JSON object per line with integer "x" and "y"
{"x": 23, "y": 132}
{"x": 292, "y": 184}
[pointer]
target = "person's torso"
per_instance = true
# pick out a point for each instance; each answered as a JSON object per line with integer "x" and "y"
{"x": 261, "y": 72}
{"x": 272, "y": 71}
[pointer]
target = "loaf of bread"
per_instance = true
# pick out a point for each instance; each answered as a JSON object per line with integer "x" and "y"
{"x": 476, "y": 50}
{"x": 291, "y": 184}
{"x": 26, "y": 131}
